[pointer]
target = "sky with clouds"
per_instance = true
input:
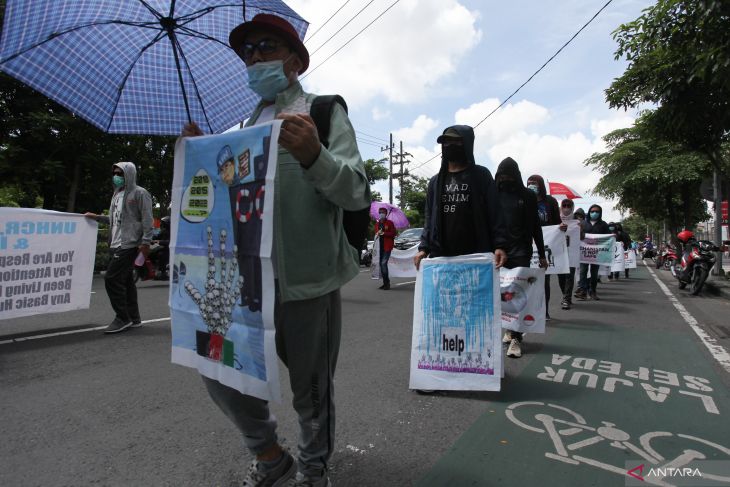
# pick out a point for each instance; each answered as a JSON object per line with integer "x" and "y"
{"x": 428, "y": 64}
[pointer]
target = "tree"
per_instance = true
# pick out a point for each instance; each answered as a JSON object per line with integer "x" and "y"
{"x": 413, "y": 198}
{"x": 679, "y": 59}
{"x": 48, "y": 153}
{"x": 653, "y": 178}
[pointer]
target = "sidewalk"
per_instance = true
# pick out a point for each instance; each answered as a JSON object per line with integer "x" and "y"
{"x": 721, "y": 284}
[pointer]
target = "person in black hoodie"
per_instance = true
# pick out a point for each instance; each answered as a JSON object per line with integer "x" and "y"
{"x": 520, "y": 225}
{"x": 548, "y": 212}
{"x": 461, "y": 203}
{"x": 592, "y": 224}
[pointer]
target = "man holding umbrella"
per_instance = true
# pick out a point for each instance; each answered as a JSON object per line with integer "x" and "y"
{"x": 313, "y": 259}
{"x": 385, "y": 233}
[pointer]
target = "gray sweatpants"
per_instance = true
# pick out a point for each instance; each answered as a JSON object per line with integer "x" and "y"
{"x": 308, "y": 342}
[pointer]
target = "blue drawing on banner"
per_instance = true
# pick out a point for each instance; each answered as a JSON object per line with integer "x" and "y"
{"x": 457, "y": 298}
{"x": 216, "y": 295}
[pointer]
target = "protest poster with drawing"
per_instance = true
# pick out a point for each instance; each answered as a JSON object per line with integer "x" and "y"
{"x": 618, "y": 264}
{"x": 556, "y": 251}
{"x": 222, "y": 289}
{"x": 522, "y": 296}
{"x": 630, "y": 258}
{"x": 45, "y": 262}
{"x": 572, "y": 241}
{"x": 596, "y": 248}
{"x": 456, "y": 325}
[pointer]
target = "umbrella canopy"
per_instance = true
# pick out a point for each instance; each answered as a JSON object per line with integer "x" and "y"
{"x": 560, "y": 189}
{"x": 133, "y": 66}
{"x": 395, "y": 214}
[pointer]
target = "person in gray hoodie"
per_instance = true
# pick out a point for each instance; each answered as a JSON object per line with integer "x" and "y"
{"x": 130, "y": 232}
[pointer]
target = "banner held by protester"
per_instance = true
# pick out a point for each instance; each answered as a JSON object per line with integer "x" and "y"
{"x": 457, "y": 325}
{"x": 45, "y": 262}
{"x": 222, "y": 291}
{"x": 522, "y": 296}
{"x": 556, "y": 251}
{"x": 618, "y": 264}
{"x": 597, "y": 249}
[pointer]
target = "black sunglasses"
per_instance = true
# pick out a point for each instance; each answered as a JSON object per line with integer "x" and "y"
{"x": 264, "y": 47}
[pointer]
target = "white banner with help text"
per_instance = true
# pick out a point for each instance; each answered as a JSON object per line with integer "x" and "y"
{"x": 556, "y": 251}
{"x": 522, "y": 295}
{"x": 46, "y": 261}
{"x": 456, "y": 325}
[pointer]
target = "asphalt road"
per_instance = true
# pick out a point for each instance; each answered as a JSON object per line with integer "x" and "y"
{"x": 88, "y": 409}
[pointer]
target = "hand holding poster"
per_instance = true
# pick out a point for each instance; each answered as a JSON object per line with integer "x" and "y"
{"x": 45, "y": 264}
{"x": 222, "y": 290}
{"x": 556, "y": 251}
{"x": 522, "y": 295}
{"x": 597, "y": 249}
{"x": 618, "y": 264}
{"x": 456, "y": 325}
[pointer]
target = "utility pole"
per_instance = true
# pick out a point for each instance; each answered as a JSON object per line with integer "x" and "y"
{"x": 389, "y": 148}
{"x": 402, "y": 161}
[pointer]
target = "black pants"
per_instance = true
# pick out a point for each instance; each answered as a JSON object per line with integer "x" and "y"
{"x": 120, "y": 287}
{"x": 593, "y": 283}
{"x": 566, "y": 282}
{"x": 511, "y": 263}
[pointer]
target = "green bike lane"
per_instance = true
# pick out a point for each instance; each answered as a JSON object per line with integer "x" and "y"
{"x": 622, "y": 383}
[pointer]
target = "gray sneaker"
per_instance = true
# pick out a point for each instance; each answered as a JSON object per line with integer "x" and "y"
{"x": 117, "y": 325}
{"x": 301, "y": 481}
{"x": 278, "y": 476}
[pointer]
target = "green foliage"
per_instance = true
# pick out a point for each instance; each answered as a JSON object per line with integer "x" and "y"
{"x": 679, "y": 59}
{"x": 413, "y": 199}
{"x": 50, "y": 154}
{"x": 653, "y": 178}
{"x": 376, "y": 171}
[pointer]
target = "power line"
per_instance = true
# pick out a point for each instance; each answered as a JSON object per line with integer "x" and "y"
{"x": 340, "y": 29}
{"x": 371, "y": 136}
{"x": 326, "y": 21}
{"x": 350, "y": 40}
{"x": 533, "y": 74}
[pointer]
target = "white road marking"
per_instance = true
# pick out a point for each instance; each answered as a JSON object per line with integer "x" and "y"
{"x": 404, "y": 283}
{"x": 717, "y": 351}
{"x": 70, "y": 332}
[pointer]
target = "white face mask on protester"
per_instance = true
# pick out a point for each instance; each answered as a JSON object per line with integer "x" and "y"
{"x": 566, "y": 211}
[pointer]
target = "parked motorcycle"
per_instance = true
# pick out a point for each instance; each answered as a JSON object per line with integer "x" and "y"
{"x": 667, "y": 258}
{"x": 696, "y": 263}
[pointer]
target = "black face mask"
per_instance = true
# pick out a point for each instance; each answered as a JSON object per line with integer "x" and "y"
{"x": 507, "y": 186}
{"x": 454, "y": 153}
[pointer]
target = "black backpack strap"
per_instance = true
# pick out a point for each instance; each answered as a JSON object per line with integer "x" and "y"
{"x": 321, "y": 112}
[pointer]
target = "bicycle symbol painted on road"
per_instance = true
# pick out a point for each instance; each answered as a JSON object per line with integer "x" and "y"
{"x": 570, "y": 433}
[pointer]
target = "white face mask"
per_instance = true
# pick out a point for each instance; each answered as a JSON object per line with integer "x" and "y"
{"x": 566, "y": 211}
{"x": 382, "y": 216}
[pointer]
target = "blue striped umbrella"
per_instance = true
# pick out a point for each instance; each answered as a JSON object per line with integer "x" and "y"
{"x": 136, "y": 66}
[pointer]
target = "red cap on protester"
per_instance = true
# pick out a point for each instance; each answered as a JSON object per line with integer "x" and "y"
{"x": 270, "y": 23}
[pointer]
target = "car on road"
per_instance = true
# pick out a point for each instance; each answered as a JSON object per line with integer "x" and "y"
{"x": 408, "y": 238}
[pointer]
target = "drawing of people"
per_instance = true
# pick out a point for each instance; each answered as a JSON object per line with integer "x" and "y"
{"x": 226, "y": 165}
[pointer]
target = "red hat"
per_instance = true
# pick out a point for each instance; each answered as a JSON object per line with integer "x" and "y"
{"x": 276, "y": 25}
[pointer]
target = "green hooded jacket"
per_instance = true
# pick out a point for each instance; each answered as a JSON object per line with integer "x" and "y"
{"x": 311, "y": 251}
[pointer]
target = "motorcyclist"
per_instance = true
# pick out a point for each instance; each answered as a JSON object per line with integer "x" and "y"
{"x": 160, "y": 254}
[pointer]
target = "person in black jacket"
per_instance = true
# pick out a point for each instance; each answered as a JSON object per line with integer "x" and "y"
{"x": 592, "y": 224}
{"x": 626, "y": 240}
{"x": 461, "y": 203}
{"x": 520, "y": 225}
{"x": 548, "y": 212}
